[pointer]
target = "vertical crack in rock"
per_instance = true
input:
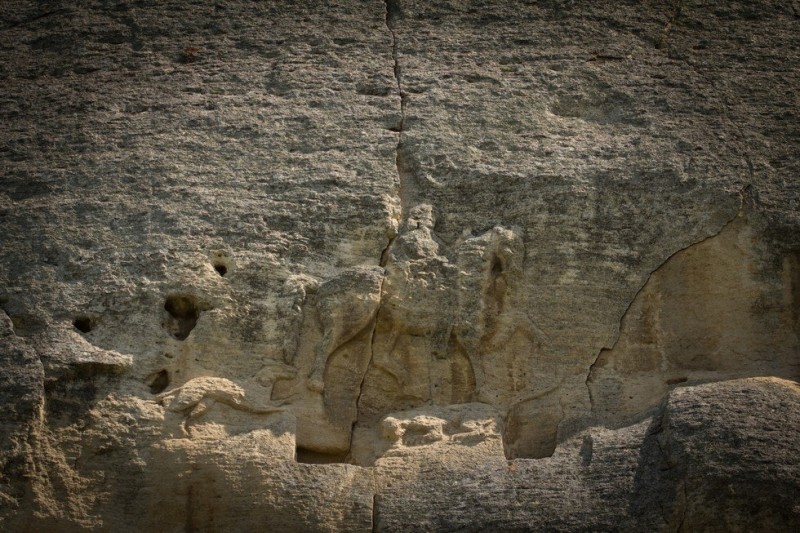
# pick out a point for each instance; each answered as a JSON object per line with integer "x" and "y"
{"x": 385, "y": 253}
{"x": 600, "y": 353}
{"x": 371, "y": 358}
{"x": 374, "y": 513}
{"x": 742, "y": 194}
{"x": 392, "y": 11}
{"x": 402, "y": 164}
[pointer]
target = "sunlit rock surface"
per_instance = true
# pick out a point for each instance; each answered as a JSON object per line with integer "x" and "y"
{"x": 367, "y": 265}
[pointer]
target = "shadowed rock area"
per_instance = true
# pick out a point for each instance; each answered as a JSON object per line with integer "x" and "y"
{"x": 400, "y": 266}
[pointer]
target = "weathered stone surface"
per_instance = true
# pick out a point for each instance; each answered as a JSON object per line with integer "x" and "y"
{"x": 704, "y": 315}
{"x": 731, "y": 444}
{"x": 702, "y": 463}
{"x": 500, "y": 264}
{"x": 22, "y": 393}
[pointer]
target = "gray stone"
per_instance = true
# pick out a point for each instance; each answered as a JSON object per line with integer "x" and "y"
{"x": 502, "y": 265}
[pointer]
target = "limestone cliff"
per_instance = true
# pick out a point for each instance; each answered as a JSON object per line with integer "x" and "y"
{"x": 396, "y": 265}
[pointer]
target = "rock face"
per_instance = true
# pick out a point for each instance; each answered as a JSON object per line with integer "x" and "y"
{"x": 328, "y": 266}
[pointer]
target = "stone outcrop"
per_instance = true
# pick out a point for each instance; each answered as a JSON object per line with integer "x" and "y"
{"x": 398, "y": 265}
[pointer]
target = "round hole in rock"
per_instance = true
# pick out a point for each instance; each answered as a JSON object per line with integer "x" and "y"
{"x": 221, "y": 269}
{"x": 83, "y": 324}
{"x": 159, "y": 382}
{"x": 183, "y": 311}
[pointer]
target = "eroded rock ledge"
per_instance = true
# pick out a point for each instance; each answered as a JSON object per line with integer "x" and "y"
{"x": 391, "y": 265}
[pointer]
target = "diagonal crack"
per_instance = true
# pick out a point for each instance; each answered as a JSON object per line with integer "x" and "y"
{"x": 742, "y": 200}
{"x": 14, "y": 23}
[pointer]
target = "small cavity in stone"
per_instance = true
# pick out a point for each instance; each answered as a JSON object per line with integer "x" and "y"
{"x": 84, "y": 324}
{"x": 159, "y": 382}
{"x": 221, "y": 262}
{"x": 183, "y": 311}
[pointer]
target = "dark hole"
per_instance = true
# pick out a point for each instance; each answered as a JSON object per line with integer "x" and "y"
{"x": 221, "y": 269}
{"x": 181, "y": 307}
{"x": 189, "y": 55}
{"x": 307, "y": 456}
{"x": 675, "y": 381}
{"x": 497, "y": 267}
{"x": 159, "y": 382}
{"x": 183, "y": 314}
{"x": 83, "y": 324}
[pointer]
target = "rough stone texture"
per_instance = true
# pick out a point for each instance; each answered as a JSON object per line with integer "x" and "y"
{"x": 700, "y": 464}
{"x": 399, "y": 265}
